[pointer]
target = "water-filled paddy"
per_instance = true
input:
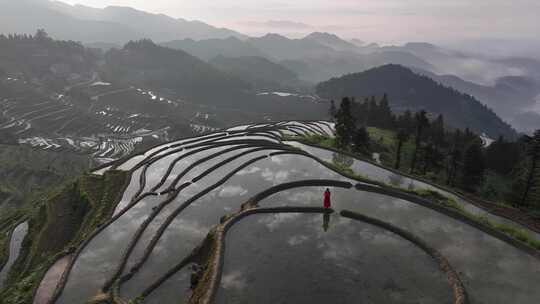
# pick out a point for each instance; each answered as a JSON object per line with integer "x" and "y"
{"x": 160, "y": 223}
{"x": 17, "y": 237}
{"x": 297, "y": 258}
{"x": 482, "y": 260}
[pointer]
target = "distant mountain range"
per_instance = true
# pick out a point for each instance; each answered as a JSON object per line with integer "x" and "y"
{"x": 510, "y": 86}
{"x": 407, "y": 90}
{"x": 210, "y": 48}
{"x": 260, "y": 72}
{"x": 507, "y": 96}
{"x": 143, "y": 63}
{"x": 112, "y": 24}
{"x": 316, "y": 57}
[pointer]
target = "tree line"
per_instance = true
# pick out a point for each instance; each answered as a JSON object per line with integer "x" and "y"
{"x": 425, "y": 145}
{"x": 39, "y": 58}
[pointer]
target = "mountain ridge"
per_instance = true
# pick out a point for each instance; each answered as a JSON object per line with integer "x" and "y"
{"x": 113, "y": 24}
{"x": 408, "y": 90}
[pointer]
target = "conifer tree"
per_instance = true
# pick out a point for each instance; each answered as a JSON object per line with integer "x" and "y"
{"x": 526, "y": 186}
{"x": 332, "y": 111}
{"x": 437, "y": 134}
{"x": 41, "y": 35}
{"x": 422, "y": 123}
{"x": 361, "y": 140}
{"x": 473, "y": 166}
{"x": 432, "y": 158}
{"x": 502, "y": 156}
{"x": 345, "y": 124}
{"x": 385, "y": 113}
{"x": 402, "y": 137}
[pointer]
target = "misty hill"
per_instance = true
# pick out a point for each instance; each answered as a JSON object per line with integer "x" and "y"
{"x": 530, "y": 65}
{"x": 507, "y": 96}
{"x": 158, "y": 27}
{"x": 111, "y": 24}
{"x": 43, "y": 59}
{"x": 259, "y": 71}
{"x": 281, "y": 47}
{"x": 25, "y": 16}
{"x": 407, "y": 90}
{"x": 146, "y": 64}
{"x": 332, "y": 41}
{"x": 477, "y": 68}
{"x": 210, "y": 48}
{"x": 318, "y": 56}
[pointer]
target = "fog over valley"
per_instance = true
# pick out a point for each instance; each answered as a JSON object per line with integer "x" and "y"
{"x": 307, "y": 152}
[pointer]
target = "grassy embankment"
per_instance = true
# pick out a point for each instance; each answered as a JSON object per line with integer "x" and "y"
{"x": 58, "y": 223}
{"x": 26, "y": 174}
{"x": 384, "y": 142}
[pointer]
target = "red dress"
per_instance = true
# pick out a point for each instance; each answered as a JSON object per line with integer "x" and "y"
{"x": 326, "y": 201}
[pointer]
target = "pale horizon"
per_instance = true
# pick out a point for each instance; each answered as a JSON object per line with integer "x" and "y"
{"x": 382, "y": 21}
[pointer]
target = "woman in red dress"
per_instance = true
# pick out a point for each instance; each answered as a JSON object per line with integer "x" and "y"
{"x": 326, "y": 200}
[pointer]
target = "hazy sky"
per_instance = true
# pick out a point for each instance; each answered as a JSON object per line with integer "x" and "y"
{"x": 369, "y": 20}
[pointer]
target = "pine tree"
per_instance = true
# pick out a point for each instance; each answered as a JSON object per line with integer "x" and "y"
{"x": 345, "y": 124}
{"x": 372, "y": 109}
{"x": 361, "y": 140}
{"x": 332, "y": 111}
{"x": 503, "y": 156}
{"x": 406, "y": 122}
{"x": 454, "y": 158}
{"x": 432, "y": 158}
{"x": 473, "y": 166}
{"x": 422, "y": 123}
{"x": 437, "y": 134}
{"x": 41, "y": 35}
{"x": 526, "y": 186}
{"x": 402, "y": 137}
{"x": 453, "y": 166}
{"x": 385, "y": 114}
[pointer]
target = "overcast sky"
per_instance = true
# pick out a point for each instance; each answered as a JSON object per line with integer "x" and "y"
{"x": 386, "y": 21}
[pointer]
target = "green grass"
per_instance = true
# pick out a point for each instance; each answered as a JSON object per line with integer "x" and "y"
{"x": 325, "y": 141}
{"x": 27, "y": 174}
{"x": 516, "y": 233}
{"x": 3, "y": 246}
{"x": 387, "y": 138}
{"x": 436, "y": 197}
{"x": 57, "y": 228}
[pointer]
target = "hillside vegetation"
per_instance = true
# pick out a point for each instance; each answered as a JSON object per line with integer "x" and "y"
{"x": 407, "y": 90}
{"x": 58, "y": 223}
{"x": 260, "y": 72}
{"x": 147, "y": 64}
{"x": 25, "y": 173}
{"x": 503, "y": 171}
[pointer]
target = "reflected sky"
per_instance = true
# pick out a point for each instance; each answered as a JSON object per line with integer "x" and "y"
{"x": 352, "y": 262}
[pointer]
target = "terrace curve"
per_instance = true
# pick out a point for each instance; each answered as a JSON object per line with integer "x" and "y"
{"x": 172, "y": 182}
{"x": 209, "y": 289}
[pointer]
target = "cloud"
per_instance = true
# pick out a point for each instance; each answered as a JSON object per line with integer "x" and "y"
{"x": 232, "y": 191}
{"x": 280, "y": 24}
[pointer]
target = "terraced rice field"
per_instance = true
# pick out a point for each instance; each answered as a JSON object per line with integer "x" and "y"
{"x": 235, "y": 217}
{"x": 93, "y": 124}
{"x": 15, "y": 243}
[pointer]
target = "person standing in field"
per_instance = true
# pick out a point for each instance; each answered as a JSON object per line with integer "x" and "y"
{"x": 326, "y": 199}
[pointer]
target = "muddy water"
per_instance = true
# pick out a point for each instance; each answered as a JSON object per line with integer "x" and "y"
{"x": 50, "y": 281}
